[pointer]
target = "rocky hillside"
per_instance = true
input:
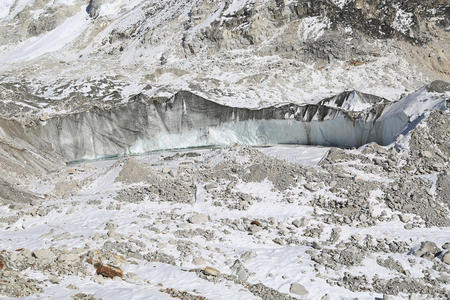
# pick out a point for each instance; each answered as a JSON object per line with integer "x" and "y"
{"x": 240, "y": 52}
{"x": 224, "y": 149}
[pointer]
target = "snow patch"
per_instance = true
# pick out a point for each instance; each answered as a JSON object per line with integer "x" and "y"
{"x": 49, "y": 42}
{"x": 15, "y": 7}
{"x": 312, "y": 28}
{"x": 235, "y": 6}
{"x": 341, "y": 3}
{"x": 5, "y": 7}
{"x": 403, "y": 21}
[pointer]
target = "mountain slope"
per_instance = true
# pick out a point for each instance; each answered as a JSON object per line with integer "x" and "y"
{"x": 246, "y": 53}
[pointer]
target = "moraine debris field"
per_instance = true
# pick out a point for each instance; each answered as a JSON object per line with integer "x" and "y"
{"x": 225, "y": 149}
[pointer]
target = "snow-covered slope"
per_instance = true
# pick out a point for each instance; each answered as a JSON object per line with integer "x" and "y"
{"x": 241, "y": 53}
{"x": 357, "y": 225}
{"x": 140, "y": 152}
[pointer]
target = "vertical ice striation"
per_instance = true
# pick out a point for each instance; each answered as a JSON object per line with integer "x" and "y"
{"x": 187, "y": 120}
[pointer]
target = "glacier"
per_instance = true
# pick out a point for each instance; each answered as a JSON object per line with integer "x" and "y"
{"x": 186, "y": 120}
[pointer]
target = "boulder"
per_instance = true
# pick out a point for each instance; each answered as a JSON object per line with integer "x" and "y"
{"x": 108, "y": 271}
{"x": 298, "y": 289}
{"x": 211, "y": 271}
{"x": 446, "y": 258}
{"x": 44, "y": 256}
{"x": 427, "y": 250}
{"x": 198, "y": 218}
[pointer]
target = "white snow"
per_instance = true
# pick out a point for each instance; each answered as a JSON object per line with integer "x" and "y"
{"x": 12, "y": 8}
{"x": 403, "y": 21}
{"x": 341, "y": 3}
{"x": 304, "y": 155}
{"x": 312, "y": 28}
{"x": 237, "y": 78}
{"x": 76, "y": 222}
{"x": 405, "y": 114}
{"x": 235, "y": 6}
{"x": 419, "y": 102}
{"x": 353, "y": 103}
{"x": 50, "y": 42}
{"x": 5, "y": 6}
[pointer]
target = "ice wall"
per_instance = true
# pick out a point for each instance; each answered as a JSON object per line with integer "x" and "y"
{"x": 187, "y": 120}
{"x": 24, "y": 152}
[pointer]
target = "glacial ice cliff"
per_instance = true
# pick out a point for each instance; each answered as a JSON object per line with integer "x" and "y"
{"x": 187, "y": 120}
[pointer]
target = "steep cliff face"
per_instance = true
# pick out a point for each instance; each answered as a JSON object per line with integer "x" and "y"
{"x": 321, "y": 23}
{"x": 187, "y": 120}
{"x": 23, "y": 155}
{"x": 236, "y": 61}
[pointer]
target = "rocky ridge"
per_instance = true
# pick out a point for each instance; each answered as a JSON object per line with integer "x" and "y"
{"x": 249, "y": 52}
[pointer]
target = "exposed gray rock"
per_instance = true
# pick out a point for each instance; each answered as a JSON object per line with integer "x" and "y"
{"x": 267, "y": 293}
{"x": 198, "y": 261}
{"x": 298, "y": 289}
{"x": 45, "y": 256}
{"x": 93, "y": 8}
{"x": 427, "y": 250}
{"x": 248, "y": 255}
{"x": 84, "y": 296}
{"x": 198, "y": 218}
{"x": 241, "y": 272}
{"x": 446, "y": 258}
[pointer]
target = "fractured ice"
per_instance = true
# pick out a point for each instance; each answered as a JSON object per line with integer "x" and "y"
{"x": 187, "y": 120}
